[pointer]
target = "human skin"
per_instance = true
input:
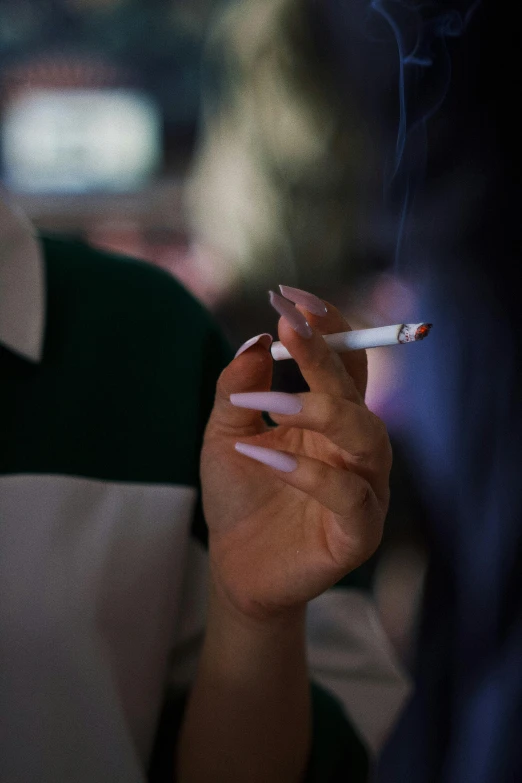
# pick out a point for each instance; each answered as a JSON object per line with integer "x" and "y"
{"x": 277, "y": 539}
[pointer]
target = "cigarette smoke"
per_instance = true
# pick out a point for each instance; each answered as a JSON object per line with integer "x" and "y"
{"x": 421, "y": 30}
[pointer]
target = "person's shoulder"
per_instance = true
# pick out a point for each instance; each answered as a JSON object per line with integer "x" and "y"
{"x": 120, "y": 286}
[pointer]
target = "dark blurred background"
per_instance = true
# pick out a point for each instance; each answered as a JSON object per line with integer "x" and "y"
{"x": 367, "y": 151}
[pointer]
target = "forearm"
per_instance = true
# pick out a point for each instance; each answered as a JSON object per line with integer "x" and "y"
{"x": 248, "y": 717}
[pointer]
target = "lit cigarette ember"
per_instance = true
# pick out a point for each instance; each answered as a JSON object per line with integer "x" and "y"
{"x": 365, "y": 338}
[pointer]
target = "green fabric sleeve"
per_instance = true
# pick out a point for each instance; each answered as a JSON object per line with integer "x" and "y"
{"x": 163, "y": 756}
{"x": 337, "y": 754}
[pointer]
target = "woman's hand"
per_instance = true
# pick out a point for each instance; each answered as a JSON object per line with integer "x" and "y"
{"x": 280, "y": 537}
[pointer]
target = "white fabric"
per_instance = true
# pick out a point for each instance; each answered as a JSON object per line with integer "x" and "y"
{"x": 22, "y": 285}
{"x": 92, "y": 576}
{"x": 350, "y": 655}
{"x": 103, "y": 601}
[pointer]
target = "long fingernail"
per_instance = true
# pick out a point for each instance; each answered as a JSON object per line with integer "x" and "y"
{"x": 271, "y": 457}
{"x": 296, "y": 319}
{"x": 273, "y": 402}
{"x": 266, "y": 338}
{"x": 310, "y": 301}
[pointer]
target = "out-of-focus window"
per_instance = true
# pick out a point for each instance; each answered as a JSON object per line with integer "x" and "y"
{"x": 99, "y": 117}
{"x": 77, "y": 140}
{"x": 99, "y": 106}
{"x": 151, "y": 48}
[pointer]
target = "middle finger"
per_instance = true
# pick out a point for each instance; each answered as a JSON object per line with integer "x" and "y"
{"x": 322, "y": 369}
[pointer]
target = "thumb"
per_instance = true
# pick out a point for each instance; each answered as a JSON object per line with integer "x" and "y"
{"x": 250, "y": 370}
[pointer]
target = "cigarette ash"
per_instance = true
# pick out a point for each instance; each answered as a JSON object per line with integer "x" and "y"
{"x": 423, "y": 331}
{"x": 411, "y": 333}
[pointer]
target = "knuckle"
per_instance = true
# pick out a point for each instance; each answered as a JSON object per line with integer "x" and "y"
{"x": 364, "y": 454}
{"x": 327, "y": 412}
{"x": 322, "y": 362}
{"x": 361, "y": 493}
{"x": 365, "y": 497}
{"x": 316, "y": 478}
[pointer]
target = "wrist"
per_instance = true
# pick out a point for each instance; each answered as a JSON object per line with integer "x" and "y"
{"x": 239, "y": 645}
{"x": 251, "y": 697}
{"x": 249, "y": 616}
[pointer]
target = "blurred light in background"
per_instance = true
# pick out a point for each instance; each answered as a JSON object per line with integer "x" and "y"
{"x": 99, "y": 112}
{"x": 80, "y": 140}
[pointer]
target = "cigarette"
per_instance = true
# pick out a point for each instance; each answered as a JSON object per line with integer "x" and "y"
{"x": 365, "y": 338}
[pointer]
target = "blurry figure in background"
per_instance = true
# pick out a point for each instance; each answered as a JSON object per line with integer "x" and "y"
{"x": 193, "y": 265}
{"x": 282, "y": 161}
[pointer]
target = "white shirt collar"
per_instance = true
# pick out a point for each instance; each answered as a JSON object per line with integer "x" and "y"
{"x": 22, "y": 284}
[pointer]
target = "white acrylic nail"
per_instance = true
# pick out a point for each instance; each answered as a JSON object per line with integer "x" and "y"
{"x": 271, "y": 457}
{"x": 253, "y": 340}
{"x": 272, "y": 402}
